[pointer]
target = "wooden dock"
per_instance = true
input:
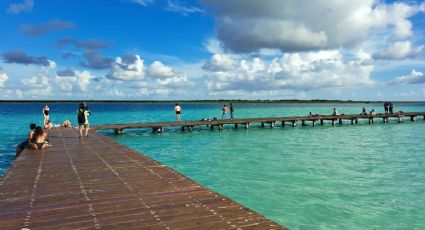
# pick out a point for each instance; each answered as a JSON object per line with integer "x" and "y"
{"x": 246, "y": 122}
{"x": 96, "y": 183}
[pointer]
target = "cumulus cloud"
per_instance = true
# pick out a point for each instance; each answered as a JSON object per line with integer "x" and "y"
{"x": 158, "y": 70}
{"x": 127, "y": 68}
{"x": 415, "y": 77}
{"x": 293, "y": 71}
{"x": 78, "y": 82}
{"x": 38, "y": 30}
{"x": 25, "y": 6}
{"x": 3, "y": 79}
{"x": 176, "y": 6}
{"x": 84, "y": 44}
{"x": 292, "y": 26}
{"x": 20, "y": 57}
{"x": 400, "y": 50}
{"x": 219, "y": 62}
{"x": 95, "y": 60}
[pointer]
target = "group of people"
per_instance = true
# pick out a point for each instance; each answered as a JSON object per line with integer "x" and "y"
{"x": 364, "y": 112}
{"x": 37, "y": 136}
{"x": 178, "y": 109}
{"x": 388, "y": 107}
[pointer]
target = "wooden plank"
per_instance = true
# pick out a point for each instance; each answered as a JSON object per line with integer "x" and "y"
{"x": 97, "y": 183}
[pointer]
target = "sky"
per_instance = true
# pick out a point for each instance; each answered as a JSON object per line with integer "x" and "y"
{"x": 212, "y": 49}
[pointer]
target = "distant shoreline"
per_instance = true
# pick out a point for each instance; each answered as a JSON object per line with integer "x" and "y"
{"x": 291, "y": 101}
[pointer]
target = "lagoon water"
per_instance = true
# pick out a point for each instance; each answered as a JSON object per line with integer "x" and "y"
{"x": 325, "y": 177}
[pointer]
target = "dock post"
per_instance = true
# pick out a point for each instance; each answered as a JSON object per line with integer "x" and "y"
{"x": 212, "y": 127}
{"x": 385, "y": 119}
{"x": 352, "y": 121}
{"x": 356, "y": 121}
{"x": 262, "y": 124}
{"x": 413, "y": 118}
{"x": 118, "y": 131}
{"x": 370, "y": 120}
{"x": 340, "y": 121}
{"x": 283, "y": 123}
{"x": 236, "y": 126}
{"x": 294, "y": 123}
{"x": 246, "y": 125}
{"x": 182, "y": 128}
{"x": 333, "y": 121}
{"x": 303, "y": 123}
{"x": 400, "y": 119}
{"x": 272, "y": 124}
{"x": 321, "y": 121}
{"x": 314, "y": 122}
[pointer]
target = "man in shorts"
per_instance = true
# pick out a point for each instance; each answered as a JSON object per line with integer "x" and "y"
{"x": 178, "y": 110}
{"x": 83, "y": 122}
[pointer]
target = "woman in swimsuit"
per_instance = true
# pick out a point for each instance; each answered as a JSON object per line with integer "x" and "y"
{"x": 46, "y": 114}
{"x": 39, "y": 139}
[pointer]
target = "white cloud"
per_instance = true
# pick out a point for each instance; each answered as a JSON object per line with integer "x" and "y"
{"x": 414, "y": 77}
{"x": 400, "y": 50}
{"x": 142, "y": 2}
{"x": 127, "y": 68}
{"x": 37, "y": 86}
{"x": 25, "y": 6}
{"x": 219, "y": 62}
{"x": 176, "y": 6}
{"x": 291, "y": 25}
{"x": 79, "y": 82}
{"x": 158, "y": 70}
{"x": 293, "y": 72}
{"x": 3, "y": 79}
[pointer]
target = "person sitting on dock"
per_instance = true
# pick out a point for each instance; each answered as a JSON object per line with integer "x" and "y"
{"x": 38, "y": 140}
{"x": 66, "y": 124}
{"x": 27, "y": 142}
{"x": 48, "y": 125}
{"x": 372, "y": 112}
{"x": 335, "y": 112}
{"x": 178, "y": 110}
{"x": 364, "y": 112}
{"x": 224, "y": 112}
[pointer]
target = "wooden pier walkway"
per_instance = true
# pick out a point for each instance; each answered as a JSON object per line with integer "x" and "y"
{"x": 96, "y": 183}
{"x": 246, "y": 122}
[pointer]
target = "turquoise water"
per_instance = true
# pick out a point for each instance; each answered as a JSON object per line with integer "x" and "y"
{"x": 324, "y": 177}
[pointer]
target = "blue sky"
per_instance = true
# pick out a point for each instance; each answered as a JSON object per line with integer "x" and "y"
{"x": 212, "y": 49}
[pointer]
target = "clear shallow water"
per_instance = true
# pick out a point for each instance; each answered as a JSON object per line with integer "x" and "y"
{"x": 342, "y": 177}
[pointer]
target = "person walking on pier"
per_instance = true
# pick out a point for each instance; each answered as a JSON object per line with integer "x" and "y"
{"x": 83, "y": 113}
{"x": 232, "y": 109}
{"x": 224, "y": 112}
{"x": 178, "y": 110}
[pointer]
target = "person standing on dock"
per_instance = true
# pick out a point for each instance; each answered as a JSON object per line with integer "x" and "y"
{"x": 178, "y": 110}
{"x": 390, "y": 107}
{"x": 224, "y": 112}
{"x": 232, "y": 109}
{"x": 83, "y": 121}
{"x": 386, "y": 107}
{"x": 46, "y": 114}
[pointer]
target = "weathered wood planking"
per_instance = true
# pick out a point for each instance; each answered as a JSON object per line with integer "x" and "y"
{"x": 96, "y": 183}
